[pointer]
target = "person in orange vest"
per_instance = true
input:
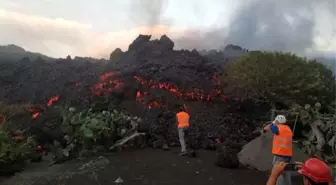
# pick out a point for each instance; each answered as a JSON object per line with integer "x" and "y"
{"x": 182, "y": 118}
{"x": 282, "y": 145}
{"x": 314, "y": 172}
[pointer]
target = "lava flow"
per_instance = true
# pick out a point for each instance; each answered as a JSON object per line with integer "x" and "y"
{"x": 105, "y": 85}
{"x": 194, "y": 94}
{"x": 37, "y": 111}
{"x": 108, "y": 82}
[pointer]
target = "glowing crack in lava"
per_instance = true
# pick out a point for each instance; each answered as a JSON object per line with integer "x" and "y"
{"x": 194, "y": 94}
{"x": 106, "y": 84}
{"x": 36, "y": 111}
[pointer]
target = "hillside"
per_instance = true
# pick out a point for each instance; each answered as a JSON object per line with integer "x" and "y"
{"x": 14, "y": 53}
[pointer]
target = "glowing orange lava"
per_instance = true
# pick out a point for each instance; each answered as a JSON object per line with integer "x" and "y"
{"x": 36, "y": 112}
{"x": 195, "y": 94}
{"x": 108, "y": 82}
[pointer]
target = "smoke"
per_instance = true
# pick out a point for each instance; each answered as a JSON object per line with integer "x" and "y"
{"x": 296, "y": 26}
{"x": 275, "y": 25}
{"x": 151, "y": 13}
{"x": 284, "y": 25}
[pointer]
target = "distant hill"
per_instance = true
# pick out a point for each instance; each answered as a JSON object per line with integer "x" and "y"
{"x": 229, "y": 53}
{"x": 14, "y": 53}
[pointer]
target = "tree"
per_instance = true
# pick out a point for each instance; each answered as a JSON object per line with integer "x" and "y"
{"x": 280, "y": 78}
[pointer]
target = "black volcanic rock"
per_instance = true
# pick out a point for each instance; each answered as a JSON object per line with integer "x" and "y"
{"x": 151, "y": 67}
{"x": 156, "y": 60}
{"x": 233, "y": 47}
{"x": 167, "y": 42}
{"x": 115, "y": 54}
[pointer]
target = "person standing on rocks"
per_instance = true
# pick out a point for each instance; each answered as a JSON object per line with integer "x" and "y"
{"x": 282, "y": 145}
{"x": 182, "y": 118}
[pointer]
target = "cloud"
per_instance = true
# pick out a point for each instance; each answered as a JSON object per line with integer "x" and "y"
{"x": 59, "y": 37}
{"x": 301, "y": 26}
{"x": 298, "y": 26}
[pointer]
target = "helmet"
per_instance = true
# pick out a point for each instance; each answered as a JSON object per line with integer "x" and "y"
{"x": 316, "y": 170}
{"x": 280, "y": 119}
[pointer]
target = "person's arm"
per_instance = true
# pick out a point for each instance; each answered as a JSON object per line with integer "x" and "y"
{"x": 274, "y": 129}
{"x": 267, "y": 127}
{"x": 277, "y": 169}
{"x": 272, "y": 180}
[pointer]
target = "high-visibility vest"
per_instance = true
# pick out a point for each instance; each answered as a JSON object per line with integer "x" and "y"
{"x": 283, "y": 142}
{"x": 182, "y": 119}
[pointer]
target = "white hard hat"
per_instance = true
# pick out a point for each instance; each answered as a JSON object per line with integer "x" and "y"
{"x": 280, "y": 119}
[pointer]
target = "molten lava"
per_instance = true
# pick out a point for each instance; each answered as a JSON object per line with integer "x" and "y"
{"x": 106, "y": 84}
{"x": 195, "y": 94}
{"x": 36, "y": 112}
{"x": 52, "y": 100}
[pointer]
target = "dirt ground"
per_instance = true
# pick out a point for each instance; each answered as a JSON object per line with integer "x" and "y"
{"x": 141, "y": 167}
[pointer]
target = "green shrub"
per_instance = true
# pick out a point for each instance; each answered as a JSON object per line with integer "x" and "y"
{"x": 14, "y": 154}
{"x": 280, "y": 78}
{"x": 86, "y": 130}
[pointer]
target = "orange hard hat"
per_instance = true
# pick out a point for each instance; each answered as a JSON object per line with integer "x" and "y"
{"x": 316, "y": 170}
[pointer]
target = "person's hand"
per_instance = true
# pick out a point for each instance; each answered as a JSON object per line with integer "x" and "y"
{"x": 266, "y": 128}
{"x": 299, "y": 165}
{"x": 278, "y": 168}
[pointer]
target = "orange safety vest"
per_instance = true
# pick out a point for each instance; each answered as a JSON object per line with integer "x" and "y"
{"x": 283, "y": 143}
{"x": 182, "y": 119}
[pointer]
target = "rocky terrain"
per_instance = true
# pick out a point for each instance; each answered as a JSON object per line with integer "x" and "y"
{"x": 150, "y": 80}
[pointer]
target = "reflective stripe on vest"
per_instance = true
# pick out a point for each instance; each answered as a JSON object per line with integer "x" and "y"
{"x": 182, "y": 119}
{"x": 282, "y": 143}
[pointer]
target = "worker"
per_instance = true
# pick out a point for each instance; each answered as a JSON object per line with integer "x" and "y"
{"x": 282, "y": 145}
{"x": 182, "y": 118}
{"x": 314, "y": 172}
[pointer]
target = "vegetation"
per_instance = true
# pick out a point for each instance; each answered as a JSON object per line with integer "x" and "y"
{"x": 280, "y": 78}
{"x": 14, "y": 152}
{"x": 9, "y": 110}
{"x": 89, "y": 130}
{"x": 319, "y": 130}
{"x": 288, "y": 80}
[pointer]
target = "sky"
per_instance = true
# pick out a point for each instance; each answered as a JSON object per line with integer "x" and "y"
{"x": 96, "y": 27}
